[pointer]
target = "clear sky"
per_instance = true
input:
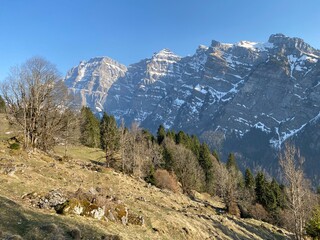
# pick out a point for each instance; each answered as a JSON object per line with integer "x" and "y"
{"x": 68, "y": 31}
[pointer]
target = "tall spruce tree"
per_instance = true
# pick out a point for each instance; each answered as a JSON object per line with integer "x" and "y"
{"x": 265, "y": 194}
{"x": 161, "y": 134}
{"x": 195, "y": 146}
{"x": 216, "y": 155}
{"x": 182, "y": 138}
{"x": 249, "y": 180}
{"x": 260, "y": 186}
{"x": 205, "y": 161}
{"x": 313, "y": 225}
{"x": 231, "y": 162}
{"x": 89, "y": 128}
{"x": 109, "y": 137}
{"x": 168, "y": 159}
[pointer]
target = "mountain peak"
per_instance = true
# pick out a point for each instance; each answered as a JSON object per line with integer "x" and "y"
{"x": 282, "y": 40}
{"x": 166, "y": 54}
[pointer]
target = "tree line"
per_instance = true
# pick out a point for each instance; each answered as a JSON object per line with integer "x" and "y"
{"x": 37, "y": 102}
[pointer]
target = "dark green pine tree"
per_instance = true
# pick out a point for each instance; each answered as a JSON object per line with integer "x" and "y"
{"x": 313, "y": 225}
{"x": 161, "y": 134}
{"x": 195, "y": 146}
{"x": 216, "y": 155}
{"x": 231, "y": 162}
{"x": 205, "y": 162}
{"x": 171, "y": 134}
{"x": 264, "y": 193}
{"x": 278, "y": 193}
{"x": 182, "y": 138}
{"x": 260, "y": 186}
{"x": 109, "y": 137}
{"x": 168, "y": 159}
{"x": 89, "y": 128}
{"x": 269, "y": 198}
{"x": 249, "y": 181}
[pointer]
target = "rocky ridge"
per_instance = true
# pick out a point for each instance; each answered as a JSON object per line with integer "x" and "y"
{"x": 234, "y": 88}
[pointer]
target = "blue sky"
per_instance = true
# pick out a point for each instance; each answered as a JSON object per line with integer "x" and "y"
{"x": 68, "y": 31}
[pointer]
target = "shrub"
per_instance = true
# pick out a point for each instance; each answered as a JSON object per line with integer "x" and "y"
{"x": 164, "y": 179}
{"x": 233, "y": 209}
{"x": 15, "y": 146}
{"x": 257, "y": 211}
{"x": 313, "y": 225}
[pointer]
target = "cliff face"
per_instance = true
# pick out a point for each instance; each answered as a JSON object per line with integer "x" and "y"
{"x": 91, "y": 80}
{"x": 231, "y": 88}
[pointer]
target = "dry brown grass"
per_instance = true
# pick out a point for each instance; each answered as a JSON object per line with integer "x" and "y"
{"x": 167, "y": 215}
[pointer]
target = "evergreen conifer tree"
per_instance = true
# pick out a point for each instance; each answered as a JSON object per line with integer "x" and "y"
{"x": 278, "y": 193}
{"x": 171, "y": 134}
{"x": 260, "y": 186}
{"x": 110, "y": 137}
{"x": 195, "y": 146}
{"x": 205, "y": 161}
{"x": 249, "y": 179}
{"x": 161, "y": 134}
{"x": 313, "y": 225}
{"x": 216, "y": 155}
{"x": 89, "y": 128}
{"x": 182, "y": 138}
{"x": 231, "y": 162}
{"x": 168, "y": 159}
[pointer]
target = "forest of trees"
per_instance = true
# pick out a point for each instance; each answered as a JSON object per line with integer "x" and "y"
{"x": 36, "y": 101}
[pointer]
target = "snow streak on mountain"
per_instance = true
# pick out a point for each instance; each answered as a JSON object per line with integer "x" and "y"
{"x": 273, "y": 87}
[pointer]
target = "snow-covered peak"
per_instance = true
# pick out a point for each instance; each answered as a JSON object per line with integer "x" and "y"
{"x": 255, "y": 46}
{"x": 162, "y": 64}
{"x": 202, "y": 47}
{"x": 166, "y": 54}
{"x": 104, "y": 67}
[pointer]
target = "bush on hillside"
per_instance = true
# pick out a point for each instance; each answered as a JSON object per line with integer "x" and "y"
{"x": 165, "y": 180}
{"x": 15, "y": 146}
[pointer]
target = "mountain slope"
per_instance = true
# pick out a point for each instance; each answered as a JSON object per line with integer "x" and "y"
{"x": 231, "y": 88}
{"x": 166, "y": 215}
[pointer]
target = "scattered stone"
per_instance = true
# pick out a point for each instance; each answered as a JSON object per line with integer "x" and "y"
{"x": 95, "y": 212}
{"x": 52, "y": 199}
{"x": 111, "y": 216}
{"x": 124, "y": 220}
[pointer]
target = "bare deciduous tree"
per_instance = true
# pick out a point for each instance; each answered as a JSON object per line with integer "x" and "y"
{"x": 36, "y": 99}
{"x": 186, "y": 167}
{"x": 297, "y": 189}
{"x": 228, "y": 186}
{"x": 138, "y": 152}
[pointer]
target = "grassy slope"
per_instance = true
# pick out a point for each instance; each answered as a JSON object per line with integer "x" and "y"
{"x": 167, "y": 215}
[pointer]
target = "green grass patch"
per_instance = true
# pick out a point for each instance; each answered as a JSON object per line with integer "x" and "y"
{"x": 82, "y": 153}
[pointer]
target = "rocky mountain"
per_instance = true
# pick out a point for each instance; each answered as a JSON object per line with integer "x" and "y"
{"x": 91, "y": 80}
{"x": 255, "y": 91}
